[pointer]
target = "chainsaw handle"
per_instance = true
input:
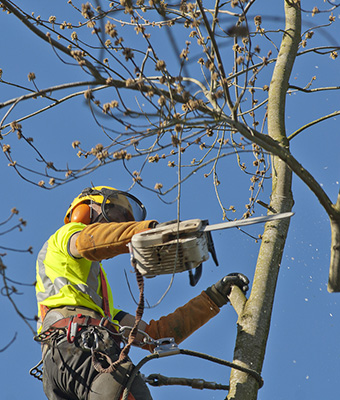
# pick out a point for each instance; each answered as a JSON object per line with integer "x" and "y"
{"x": 194, "y": 278}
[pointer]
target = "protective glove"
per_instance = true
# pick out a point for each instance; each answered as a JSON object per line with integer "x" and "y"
{"x": 220, "y": 291}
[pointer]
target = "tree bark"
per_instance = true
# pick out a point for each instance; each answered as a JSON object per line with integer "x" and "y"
{"x": 334, "y": 268}
{"x": 254, "y": 319}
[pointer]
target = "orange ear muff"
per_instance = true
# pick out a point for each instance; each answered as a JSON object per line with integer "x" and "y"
{"x": 81, "y": 213}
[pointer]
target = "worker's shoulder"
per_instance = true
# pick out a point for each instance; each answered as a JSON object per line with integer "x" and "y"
{"x": 67, "y": 230}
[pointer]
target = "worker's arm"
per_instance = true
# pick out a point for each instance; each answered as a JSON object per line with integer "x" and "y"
{"x": 73, "y": 248}
{"x": 187, "y": 319}
{"x": 101, "y": 241}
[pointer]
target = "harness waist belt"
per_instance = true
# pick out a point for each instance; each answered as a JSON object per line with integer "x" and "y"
{"x": 80, "y": 321}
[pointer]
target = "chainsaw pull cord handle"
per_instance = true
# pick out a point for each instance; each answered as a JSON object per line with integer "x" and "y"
{"x": 194, "y": 278}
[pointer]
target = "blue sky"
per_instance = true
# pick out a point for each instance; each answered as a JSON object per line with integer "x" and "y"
{"x": 303, "y": 352}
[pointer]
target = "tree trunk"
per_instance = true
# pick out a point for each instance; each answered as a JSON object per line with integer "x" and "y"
{"x": 334, "y": 269}
{"x": 254, "y": 319}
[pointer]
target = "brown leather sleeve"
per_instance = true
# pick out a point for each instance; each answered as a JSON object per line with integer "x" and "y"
{"x": 183, "y": 321}
{"x": 100, "y": 241}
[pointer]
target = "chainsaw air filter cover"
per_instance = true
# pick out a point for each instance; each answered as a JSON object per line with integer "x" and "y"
{"x": 170, "y": 248}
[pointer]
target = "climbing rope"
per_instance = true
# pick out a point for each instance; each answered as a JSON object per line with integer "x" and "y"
{"x": 249, "y": 371}
{"x": 170, "y": 348}
{"x": 132, "y": 336}
{"x": 161, "y": 380}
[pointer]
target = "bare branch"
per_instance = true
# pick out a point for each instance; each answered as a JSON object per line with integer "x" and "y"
{"x": 324, "y": 118}
{"x": 48, "y": 39}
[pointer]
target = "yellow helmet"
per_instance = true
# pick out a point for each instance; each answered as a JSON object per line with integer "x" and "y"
{"x": 107, "y": 197}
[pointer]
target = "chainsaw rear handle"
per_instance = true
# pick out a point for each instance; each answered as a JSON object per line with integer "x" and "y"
{"x": 196, "y": 276}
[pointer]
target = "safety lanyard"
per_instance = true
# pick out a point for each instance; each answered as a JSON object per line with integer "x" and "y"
{"x": 106, "y": 305}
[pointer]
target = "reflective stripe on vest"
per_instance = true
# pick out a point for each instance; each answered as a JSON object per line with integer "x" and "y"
{"x": 53, "y": 287}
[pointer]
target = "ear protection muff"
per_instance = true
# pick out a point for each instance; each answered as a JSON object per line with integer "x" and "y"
{"x": 81, "y": 213}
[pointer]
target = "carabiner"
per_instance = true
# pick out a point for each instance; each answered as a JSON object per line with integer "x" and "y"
{"x": 72, "y": 330}
{"x": 90, "y": 340}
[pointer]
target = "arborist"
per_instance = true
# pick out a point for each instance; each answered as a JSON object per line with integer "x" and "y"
{"x": 78, "y": 325}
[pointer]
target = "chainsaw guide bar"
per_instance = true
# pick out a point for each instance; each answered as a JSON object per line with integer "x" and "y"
{"x": 174, "y": 247}
{"x": 248, "y": 221}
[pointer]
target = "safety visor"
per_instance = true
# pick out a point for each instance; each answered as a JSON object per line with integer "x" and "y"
{"x": 118, "y": 206}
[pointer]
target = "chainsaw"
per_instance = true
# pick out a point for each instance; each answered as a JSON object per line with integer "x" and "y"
{"x": 178, "y": 246}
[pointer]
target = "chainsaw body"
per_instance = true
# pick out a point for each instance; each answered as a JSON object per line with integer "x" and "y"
{"x": 172, "y": 248}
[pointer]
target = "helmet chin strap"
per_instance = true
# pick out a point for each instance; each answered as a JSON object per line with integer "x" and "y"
{"x": 91, "y": 214}
{"x": 100, "y": 214}
{"x": 97, "y": 218}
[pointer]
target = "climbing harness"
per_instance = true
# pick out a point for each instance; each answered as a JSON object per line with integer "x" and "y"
{"x": 182, "y": 246}
{"x": 36, "y": 372}
{"x": 73, "y": 324}
{"x": 164, "y": 347}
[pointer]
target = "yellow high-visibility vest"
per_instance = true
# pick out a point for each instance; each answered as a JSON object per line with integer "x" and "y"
{"x": 63, "y": 280}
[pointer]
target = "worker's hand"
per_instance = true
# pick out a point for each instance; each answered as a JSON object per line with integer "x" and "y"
{"x": 220, "y": 291}
{"x": 234, "y": 279}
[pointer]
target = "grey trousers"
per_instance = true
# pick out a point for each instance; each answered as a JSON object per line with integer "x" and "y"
{"x": 69, "y": 373}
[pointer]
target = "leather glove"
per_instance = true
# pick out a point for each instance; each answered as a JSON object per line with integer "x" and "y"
{"x": 220, "y": 291}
